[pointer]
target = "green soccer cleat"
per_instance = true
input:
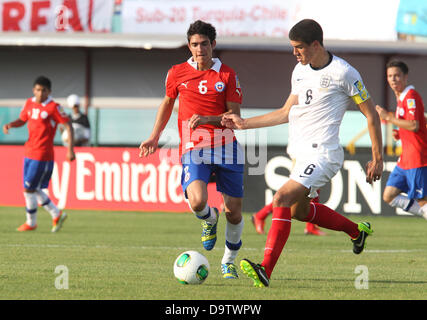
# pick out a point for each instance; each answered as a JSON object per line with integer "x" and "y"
{"x": 209, "y": 232}
{"x": 58, "y": 222}
{"x": 256, "y": 272}
{"x": 229, "y": 271}
{"x": 360, "y": 242}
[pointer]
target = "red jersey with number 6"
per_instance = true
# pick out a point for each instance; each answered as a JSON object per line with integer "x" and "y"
{"x": 204, "y": 93}
{"x": 42, "y": 120}
{"x": 414, "y": 144}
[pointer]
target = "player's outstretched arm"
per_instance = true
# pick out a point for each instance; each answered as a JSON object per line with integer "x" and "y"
{"x": 149, "y": 146}
{"x": 270, "y": 119}
{"x": 374, "y": 168}
{"x": 14, "y": 124}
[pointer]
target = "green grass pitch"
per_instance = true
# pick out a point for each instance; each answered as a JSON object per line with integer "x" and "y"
{"x": 130, "y": 255}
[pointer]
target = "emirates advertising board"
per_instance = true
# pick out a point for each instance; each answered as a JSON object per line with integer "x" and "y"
{"x": 117, "y": 179}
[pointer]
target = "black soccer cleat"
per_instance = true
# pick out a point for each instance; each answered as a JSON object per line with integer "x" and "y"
{"x": 359, "y": 243}
{"x": 256, "y": 272}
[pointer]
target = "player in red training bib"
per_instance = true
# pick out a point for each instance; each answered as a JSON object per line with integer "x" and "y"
{"x": 410, "y": 174}
{"x": 206, "y": 89}
{"x": 42, "y": 115}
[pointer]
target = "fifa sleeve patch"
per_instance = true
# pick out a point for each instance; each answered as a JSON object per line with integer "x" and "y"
{"x": 362, "y": 94}
{"x": 411, "y": 104}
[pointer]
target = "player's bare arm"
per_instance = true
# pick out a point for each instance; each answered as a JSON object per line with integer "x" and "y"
{"x": 149, "y": 146}
{"x": 14, "y": 124}
{"x": 270, "y": 119}
{"x": 197, "y": 120}
{"x": 411, "y": 125}
{"x": 374, "y": 168}
{"x": 70, "y": 149}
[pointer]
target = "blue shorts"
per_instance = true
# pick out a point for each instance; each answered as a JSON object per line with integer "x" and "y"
{"x": 413, "y": 182}
{"x": 226, "y": 162}
{"x": 37, "y": 174}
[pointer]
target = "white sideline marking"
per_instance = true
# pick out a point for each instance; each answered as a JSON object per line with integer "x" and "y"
{"x": 25, "y": 245}
{"x": 388, "y": 251}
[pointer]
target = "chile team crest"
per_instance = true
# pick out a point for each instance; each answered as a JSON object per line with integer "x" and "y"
{"x": 219, "y": 86}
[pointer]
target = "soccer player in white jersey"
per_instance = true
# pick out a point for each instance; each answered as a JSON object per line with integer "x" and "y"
{"x": 323, "y": 86}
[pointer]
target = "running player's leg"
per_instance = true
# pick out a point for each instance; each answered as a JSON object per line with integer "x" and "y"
{"x": 229, "y": 170}
{"x": 258, "y": 219}
{"x": 411, "y": 182}
{"x": 194, "y": 181}
{"x": 33, "y": 172}
{"x": 233, "y": 235}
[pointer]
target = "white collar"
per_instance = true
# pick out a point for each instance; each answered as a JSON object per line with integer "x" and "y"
{"x": 44, "y": 103}
{"x": 216, "y": 64}
{"x": 405, "y": 92}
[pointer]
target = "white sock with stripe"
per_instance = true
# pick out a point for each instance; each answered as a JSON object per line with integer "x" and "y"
{"x": 409, "y": 205}
{"x": 47, "y": 204}
{"x": 233, "y": 242}
{"x": 206, "y": 214}
{"x": 31, "y": 208}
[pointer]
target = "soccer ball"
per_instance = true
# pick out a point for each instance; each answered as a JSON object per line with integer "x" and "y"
{"x": 191, "y": 267}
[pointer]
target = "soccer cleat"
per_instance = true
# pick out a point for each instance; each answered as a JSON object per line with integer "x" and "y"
{"x": 312, "y": 229}
{"x": 26, "y": 227}
{"x": 58, "y": 222}
{"x": 229, "y": 271}
{"x": 209, "y": 232}
{"x": 256, "y": 272}
{"x": 359, "y": 243}
{"x": 258, "y": 224}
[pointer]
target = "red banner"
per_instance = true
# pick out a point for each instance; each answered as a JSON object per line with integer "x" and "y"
{"x": 104, "y": 179}
{"x": 56, "y": 15}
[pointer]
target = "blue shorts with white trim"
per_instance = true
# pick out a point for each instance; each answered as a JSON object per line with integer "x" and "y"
{"x": 37, "y": 174}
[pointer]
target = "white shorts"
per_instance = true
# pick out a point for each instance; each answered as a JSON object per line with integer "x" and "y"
{"x": 314, "y": 170}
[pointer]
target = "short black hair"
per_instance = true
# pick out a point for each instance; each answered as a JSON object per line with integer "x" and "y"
{"x": 398, "y": 64}
{"x": 203, "y": 28}
{"x": 307, "y": 31}
{"x": 43, "y": 81}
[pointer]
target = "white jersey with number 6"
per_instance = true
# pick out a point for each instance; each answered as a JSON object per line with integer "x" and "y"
{"x": 323, "y": 97}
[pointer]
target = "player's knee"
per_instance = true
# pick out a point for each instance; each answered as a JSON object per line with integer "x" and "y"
{"x": 280, "y": 200}
{"x": 388, "y": 198}
{"x": 197, "y": 206}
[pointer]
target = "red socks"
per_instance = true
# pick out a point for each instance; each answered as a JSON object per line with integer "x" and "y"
{"x": 264, "y": 212}
{"x": 276, "y": 238}
{"x": 327, "y": 218}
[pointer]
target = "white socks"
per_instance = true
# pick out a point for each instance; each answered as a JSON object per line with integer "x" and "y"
{"x": 47, "y": 204}
{"x": 206, "y": 214}
{"x": 409, "y": 205}
{"x": 233, "y": 242}
{"x": 32, "y": 199}
{"x": 31, "y": 208}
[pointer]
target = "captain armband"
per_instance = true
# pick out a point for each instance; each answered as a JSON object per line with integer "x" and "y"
{"x": 362, "y": 94}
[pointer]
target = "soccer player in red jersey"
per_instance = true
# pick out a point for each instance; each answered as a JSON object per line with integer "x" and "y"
{"x": 42, "y": 115}
{"x": 207, "y": 89}
{"x": 410, "y": 174}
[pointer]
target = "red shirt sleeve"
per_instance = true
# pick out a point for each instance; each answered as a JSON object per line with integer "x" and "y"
{"x": 413, "y": 106}
{"x": 23, "y": 115}
{"x": 234, "y": 92}
{"x": 59, "y": 115}
{"x": 170, "y": 83}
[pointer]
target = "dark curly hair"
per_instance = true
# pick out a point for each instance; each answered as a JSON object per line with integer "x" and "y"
{"x": 203, "y": 28}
